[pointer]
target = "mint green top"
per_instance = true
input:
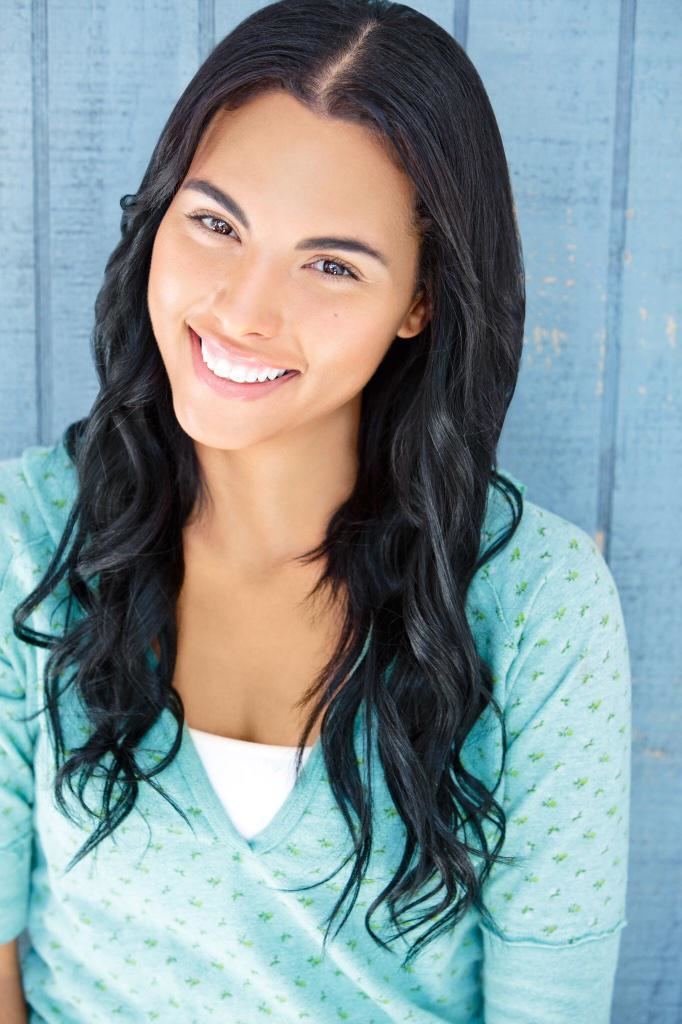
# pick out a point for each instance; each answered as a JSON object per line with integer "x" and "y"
{"x": 189, "y": 925}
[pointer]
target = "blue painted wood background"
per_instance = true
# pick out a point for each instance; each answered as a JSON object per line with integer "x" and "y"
{"x": 588, "y": 98}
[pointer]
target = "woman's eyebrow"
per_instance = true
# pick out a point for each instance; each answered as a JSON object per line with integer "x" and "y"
{"x": 233, "y": 207}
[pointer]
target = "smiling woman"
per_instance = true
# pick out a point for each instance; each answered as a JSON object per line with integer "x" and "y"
{"x": 309, "y": 678}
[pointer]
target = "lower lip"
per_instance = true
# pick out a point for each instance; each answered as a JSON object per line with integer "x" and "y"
{"x": 230, "y": 388}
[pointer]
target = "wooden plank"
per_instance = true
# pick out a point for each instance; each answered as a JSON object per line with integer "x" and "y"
{"x": 106, "y": 112}
{"x": 550, "y": 72}
{"x": 18, "y": 419}
{"x": 646, "y": 550}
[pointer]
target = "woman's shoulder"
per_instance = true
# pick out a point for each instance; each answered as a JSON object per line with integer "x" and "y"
{"x": 543, "y": 545}
{"x": 547, "y": 617}
{"x": 37, "y": 488}
{"x": 548, "y": 566}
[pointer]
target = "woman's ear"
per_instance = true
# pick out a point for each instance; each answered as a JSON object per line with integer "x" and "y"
{"x": 416, "y": 317}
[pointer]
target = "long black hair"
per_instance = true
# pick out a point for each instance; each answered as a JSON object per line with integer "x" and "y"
{"x": 407, "y": 542}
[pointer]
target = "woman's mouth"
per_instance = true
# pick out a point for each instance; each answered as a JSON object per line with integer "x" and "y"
{"x": 231, "y": 388}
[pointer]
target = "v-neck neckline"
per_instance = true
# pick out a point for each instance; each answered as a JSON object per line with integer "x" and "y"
{"x": 286, "y": 816}
{"x": 289, "y": 813}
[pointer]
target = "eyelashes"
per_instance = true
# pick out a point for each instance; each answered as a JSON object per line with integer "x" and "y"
{"x": 199, "y": 219}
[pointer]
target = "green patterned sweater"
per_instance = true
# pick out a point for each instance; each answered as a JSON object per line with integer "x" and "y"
{"x": 169, "y": 923}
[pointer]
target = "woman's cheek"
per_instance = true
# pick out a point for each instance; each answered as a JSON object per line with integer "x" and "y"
{"x": 190, "y": 263}
{"x": 176, "y": 254}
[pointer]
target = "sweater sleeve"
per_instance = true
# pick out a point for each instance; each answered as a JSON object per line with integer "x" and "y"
{"x": 16, "y": 736}
{"x": 561, "y": 908}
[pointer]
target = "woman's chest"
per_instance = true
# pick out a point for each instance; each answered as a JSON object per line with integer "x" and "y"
{"x": 247, "y": 654}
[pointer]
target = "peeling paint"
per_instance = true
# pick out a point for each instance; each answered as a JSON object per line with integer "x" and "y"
{"x": 539, "y": 334}
{"x": 671, "y": 330}
{"x": 556, "y": 337}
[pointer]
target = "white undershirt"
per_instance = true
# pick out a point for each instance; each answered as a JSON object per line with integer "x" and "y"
{"x": 265, "y": 772}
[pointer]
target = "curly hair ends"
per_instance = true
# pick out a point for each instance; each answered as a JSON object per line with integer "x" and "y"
{"x": 407, "y": 542}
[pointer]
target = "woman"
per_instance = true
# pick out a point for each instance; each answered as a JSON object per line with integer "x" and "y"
{"x": 345, "y": 733}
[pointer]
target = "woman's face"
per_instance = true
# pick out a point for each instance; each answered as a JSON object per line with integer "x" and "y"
{"x": 270, "y": 283}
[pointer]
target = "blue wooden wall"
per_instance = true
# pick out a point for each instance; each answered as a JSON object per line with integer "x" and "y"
{"x": 588, "y": 98}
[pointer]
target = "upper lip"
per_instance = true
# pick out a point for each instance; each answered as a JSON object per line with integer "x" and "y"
{"x": 239, "y": 355}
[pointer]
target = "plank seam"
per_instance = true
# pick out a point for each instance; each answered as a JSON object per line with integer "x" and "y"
{"x": 41, "y": 220}
{"x": 614, "y": 279}
{"x": 461, "y": 22}
{"x": 206, "y": 28}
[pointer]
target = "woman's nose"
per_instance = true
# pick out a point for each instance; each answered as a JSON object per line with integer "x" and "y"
{"x": 249, "y": 298}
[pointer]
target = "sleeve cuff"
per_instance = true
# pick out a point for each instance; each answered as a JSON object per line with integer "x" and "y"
{"x": 531, "y": 982}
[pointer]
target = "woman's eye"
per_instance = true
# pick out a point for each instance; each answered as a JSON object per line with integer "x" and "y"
{"x": 346, "y": 270}
{"x": 201, "y": 217}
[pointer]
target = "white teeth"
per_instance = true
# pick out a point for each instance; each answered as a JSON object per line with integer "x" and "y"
{"x": 239, "y": 373}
